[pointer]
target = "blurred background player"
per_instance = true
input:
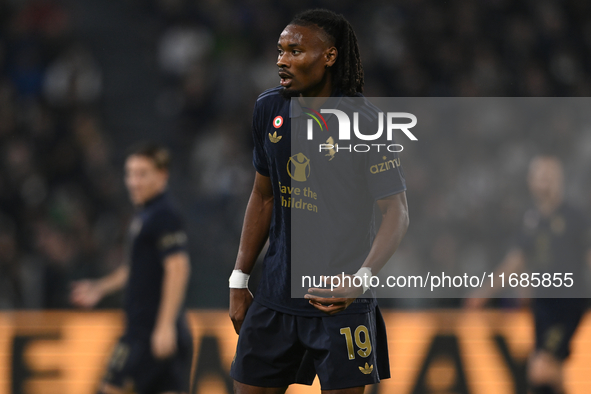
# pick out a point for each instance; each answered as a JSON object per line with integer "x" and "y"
{"x": 554, "y": 238}
{"x": 284, "y": 340}
{"x": 154, "y": 354}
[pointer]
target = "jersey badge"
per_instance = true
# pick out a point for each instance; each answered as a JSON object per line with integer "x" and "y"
{"x": 331, "y": 151}
{"x": 278, "y": 122}
{"x": 274, "y": 138}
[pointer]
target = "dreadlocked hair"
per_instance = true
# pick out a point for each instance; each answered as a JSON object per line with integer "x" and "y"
{"x": 348, "y": 71}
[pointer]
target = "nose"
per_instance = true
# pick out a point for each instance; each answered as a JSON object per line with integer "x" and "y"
{"x": 282, "y": 60}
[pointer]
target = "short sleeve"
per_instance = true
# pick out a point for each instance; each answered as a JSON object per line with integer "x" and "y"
{"x": 259, "y": 157}
{"x": 169, "y": 233}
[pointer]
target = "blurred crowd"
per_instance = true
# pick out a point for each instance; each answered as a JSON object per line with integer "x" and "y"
{"x": 63, "y": 210}
{"x": 60, "y": 195}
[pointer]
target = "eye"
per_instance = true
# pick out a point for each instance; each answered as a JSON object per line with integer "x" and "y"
{"x": 279, "y": 51}
{"x": 296, "y": 52}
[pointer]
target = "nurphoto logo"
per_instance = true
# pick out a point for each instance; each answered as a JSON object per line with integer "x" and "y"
{"x": 392, "y": 124}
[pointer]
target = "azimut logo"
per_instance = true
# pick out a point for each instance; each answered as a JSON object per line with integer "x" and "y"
{"x": 393, "y": 123}
{"x": 385, "y": 165}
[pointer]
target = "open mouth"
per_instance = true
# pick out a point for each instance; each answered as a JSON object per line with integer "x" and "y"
{"x": 286, "y": 79}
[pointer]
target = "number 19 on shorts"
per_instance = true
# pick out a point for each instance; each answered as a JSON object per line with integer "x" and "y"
{"x": 363, "y": 345}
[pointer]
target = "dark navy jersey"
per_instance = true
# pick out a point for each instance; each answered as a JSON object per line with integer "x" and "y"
{"x": 156, "y": 232}
{"x": 556, "y": 244}
{"x": 324, "y": 201}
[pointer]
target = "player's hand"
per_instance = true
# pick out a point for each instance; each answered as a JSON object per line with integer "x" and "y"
{"x": 85, "y": 293}
{"x": 333, "y": 301}
{"x": 164, "y": 341}
{"x": 240, "y": 300}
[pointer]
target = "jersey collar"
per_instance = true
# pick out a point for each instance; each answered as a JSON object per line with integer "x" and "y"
{"x": 154, "y": 200}
{"x": 295, "y": 109}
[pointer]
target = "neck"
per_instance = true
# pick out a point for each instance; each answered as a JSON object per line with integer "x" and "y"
{"x": 548, "y": 206}
{"x": 151, "y": 198}
{"x": 312, "y": 102}
{"x": 317, "y": 95}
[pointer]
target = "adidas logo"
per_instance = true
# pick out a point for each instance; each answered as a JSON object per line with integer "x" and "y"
{"x": 274, "y": 138}
{"x": 367, "y": 369}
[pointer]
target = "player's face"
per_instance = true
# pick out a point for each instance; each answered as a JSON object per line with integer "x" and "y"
{"x": 143, "y": 179}
{"x": 545, "y": 179}
{"x": 305, "y": 56}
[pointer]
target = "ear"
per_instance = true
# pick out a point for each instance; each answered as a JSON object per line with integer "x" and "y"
{"x": 331, "y": 56}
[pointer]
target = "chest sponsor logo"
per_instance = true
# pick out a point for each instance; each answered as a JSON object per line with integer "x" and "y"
{"x": 298, "y": 167}
{"x": 385, "y": 165}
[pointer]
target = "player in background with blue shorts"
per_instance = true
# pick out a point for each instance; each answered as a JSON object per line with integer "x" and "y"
{"x": 284, "y": 340}
{"x": 154, "y": 354}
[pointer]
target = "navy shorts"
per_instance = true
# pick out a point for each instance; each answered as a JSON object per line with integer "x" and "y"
{"x": 556, "y": 320}
{"x": 132, "y": 362}
{"x": 277, "y": 349}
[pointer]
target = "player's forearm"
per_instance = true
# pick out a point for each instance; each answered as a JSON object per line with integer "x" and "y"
{"x": 174, "y": 285}
{"x": 394, "y": 225}
{"x": 114, "y": 281}
{"x": 255, "y": 229}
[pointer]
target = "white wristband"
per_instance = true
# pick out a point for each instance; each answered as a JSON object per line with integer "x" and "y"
{"x": 239, "y": 280}
{"x": 365, "y": 274}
